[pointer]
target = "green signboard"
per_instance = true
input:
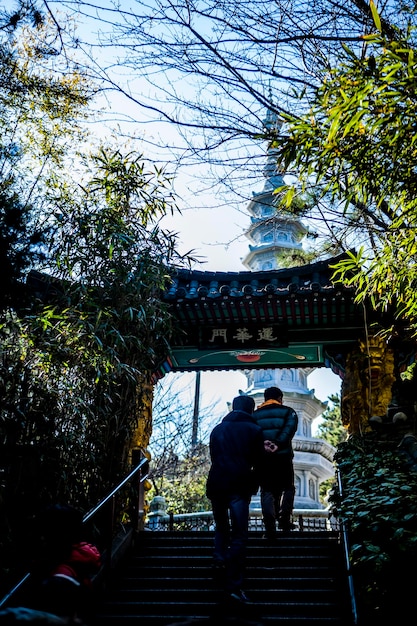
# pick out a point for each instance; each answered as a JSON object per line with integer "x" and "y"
{"x": 242, "y": 358}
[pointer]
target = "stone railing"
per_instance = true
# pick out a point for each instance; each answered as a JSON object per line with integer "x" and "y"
{"x": 308, "y": 520}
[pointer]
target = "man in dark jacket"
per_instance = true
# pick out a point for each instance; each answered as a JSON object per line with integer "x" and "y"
{"x": 279, "y": 424}
{"x": 236, "y": 448}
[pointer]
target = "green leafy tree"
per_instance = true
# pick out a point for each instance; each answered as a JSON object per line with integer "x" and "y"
{"x": 106, "y": 329}
{"x": 42, "y": 99}
{"x": 356, "y": 146}
{"x": 185, "y": 489}
{"x": 43, "y": 96}
{"x": 331, "y": 428}
{"x": 78, "y": 367}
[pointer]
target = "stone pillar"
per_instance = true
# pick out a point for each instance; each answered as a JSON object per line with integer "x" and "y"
{"x": 158, "y": 512}
{"x": 367, "y": 386}
{"x": 143, "y": 431}
{"x": 304, "y": 484}
{"x": 142, "y": 434}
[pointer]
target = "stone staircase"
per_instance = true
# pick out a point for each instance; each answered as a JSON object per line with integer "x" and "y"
{"x": 300, "y": 581}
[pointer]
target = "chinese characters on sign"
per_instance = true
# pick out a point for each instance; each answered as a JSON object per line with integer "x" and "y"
{"x": 244, "y": 336}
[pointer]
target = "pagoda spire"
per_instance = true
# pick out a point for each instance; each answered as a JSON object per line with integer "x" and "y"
{"x": 270, "y": 231}
{"x": 273, "y": 175}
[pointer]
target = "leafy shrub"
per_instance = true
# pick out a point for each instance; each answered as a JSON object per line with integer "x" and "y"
{"x": 378, "y": 505}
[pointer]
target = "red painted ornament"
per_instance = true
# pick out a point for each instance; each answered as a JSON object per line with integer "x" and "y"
{"x": 248, "y": 357}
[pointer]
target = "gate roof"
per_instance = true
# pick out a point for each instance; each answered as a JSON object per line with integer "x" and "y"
{"x": 293, "y": 317}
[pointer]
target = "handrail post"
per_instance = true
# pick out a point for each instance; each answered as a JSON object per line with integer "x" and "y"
{"x": 345, "y": 546}
{"x": 158, "y": 511}
{"x": 111, "y": 530}
{"x": 138, "y": 520}
{"x": 140, "y": 513}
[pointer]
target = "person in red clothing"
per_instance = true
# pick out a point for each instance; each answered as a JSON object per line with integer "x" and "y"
{"x": 65, "y": 565}
{"x": 83, "y": 561}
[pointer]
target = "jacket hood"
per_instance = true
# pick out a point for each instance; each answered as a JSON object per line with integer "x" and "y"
{"x": 238, "y": 416}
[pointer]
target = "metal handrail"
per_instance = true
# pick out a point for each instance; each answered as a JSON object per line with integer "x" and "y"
{"x": 15, "y": 589}
{"x": 345, "y": 545}
{"x": 137, "y": 521}
{"x": 88, "y": 516}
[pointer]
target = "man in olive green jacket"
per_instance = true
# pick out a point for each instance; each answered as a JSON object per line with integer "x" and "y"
{"x": 279, "y": 424}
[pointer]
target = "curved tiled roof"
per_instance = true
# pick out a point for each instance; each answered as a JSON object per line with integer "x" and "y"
{"x": 294, "y": 311}
{"x": 314, "y": 277}
{"x": 302, "y": 297}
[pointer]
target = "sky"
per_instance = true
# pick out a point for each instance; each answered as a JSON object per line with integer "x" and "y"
{"x": 216, "y": 235}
